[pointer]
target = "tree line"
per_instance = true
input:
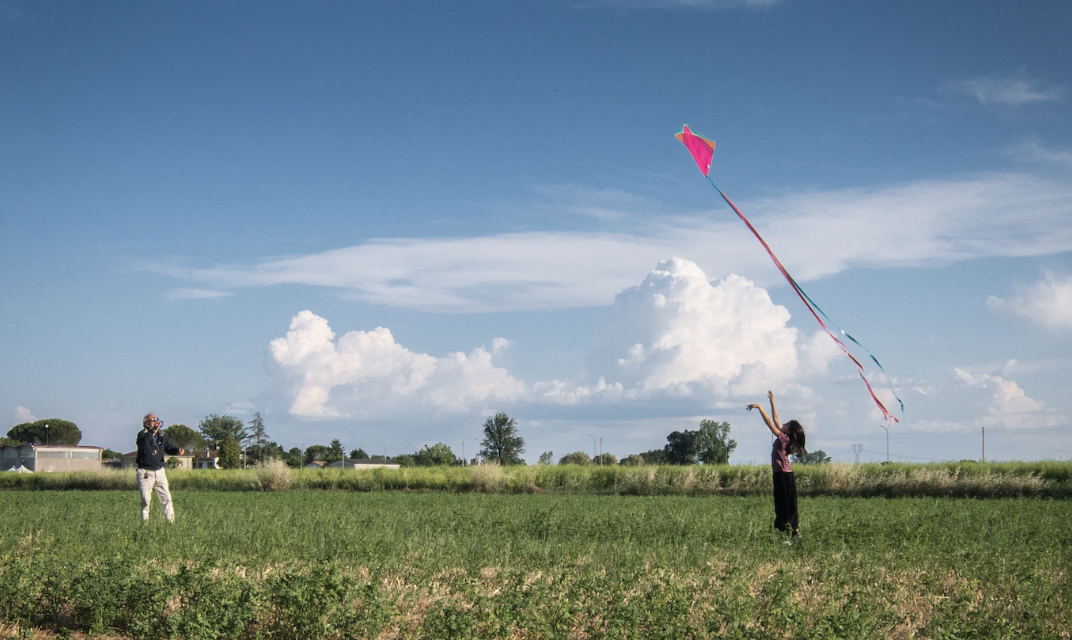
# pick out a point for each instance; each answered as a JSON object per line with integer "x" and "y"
{"x": 239, "y": 444}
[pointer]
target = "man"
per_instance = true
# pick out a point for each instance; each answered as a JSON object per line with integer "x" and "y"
{"x": 152, "y": 445}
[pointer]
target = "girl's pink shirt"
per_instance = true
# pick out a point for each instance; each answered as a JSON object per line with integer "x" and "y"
{"x": 779, "y": 454}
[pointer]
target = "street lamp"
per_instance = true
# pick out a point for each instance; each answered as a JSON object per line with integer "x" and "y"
{"x": 384, "y": 452}
{"x": 46, "y": 434}
{"x": 596, "y": 456}
{"x": 887, "y": 442}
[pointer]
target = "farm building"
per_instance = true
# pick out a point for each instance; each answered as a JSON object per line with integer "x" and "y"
{"x": 356, "y": 463}
{"x": 50, "y": 457}
{"x": 130, "y": 460}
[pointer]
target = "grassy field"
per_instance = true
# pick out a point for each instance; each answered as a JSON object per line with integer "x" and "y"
{"x": 963, "y": 479}
{"x": 302, "y": 563}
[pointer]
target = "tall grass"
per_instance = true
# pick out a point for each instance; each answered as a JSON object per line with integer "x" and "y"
{"x": 969, "y": 479}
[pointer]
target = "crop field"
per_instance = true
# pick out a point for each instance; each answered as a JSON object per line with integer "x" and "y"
{"x": 334, "y": 564}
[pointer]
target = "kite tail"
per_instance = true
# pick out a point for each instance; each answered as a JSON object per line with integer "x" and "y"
{"x": 812, "y": 307}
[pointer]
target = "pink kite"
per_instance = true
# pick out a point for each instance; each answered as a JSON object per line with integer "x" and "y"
{"x": 702, "y": 151}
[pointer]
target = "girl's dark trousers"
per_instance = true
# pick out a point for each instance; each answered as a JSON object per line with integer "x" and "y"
{"x": 785, "y": 501}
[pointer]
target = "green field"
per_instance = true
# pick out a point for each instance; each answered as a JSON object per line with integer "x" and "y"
{"x": 304, "y": 563}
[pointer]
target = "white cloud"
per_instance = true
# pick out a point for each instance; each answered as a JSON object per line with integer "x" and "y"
{"x": 814, "y": 233}
{"x": 364, "y": 373}
{"x": 675, "y": 335}
{"x": 817, "y": 352}
{"x": 677, "y": 328}
{"x": 1011, "y": 91}
{"x": 197, "y": 294}
{"x": 239, "y": 408}
{"x": 1008, "y": 405}
{"x": 22, "y": 414}
{"x": 1047, "y": 302}
{"x": 1032, "y": 150}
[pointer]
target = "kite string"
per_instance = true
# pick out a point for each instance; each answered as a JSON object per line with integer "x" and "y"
{"x": 807, "y": 303}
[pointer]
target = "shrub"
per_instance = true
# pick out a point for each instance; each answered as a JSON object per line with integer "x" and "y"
{"x": 274, "y": 475}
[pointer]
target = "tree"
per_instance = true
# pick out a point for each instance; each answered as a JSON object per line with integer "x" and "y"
{"x": 315, "y": 452}
{"x": 681, "y": 447}
{"x": 230, "y": 453}
{"x": 577, "y": 457}
{"x": 501, "y": 442}
{"x": 655, "y": 456}
{"x": 335, "y": 452}
{"x": 404, "y": 460}
{"x": 58, "y": 432}
{"x": 216, "y": 428}
{"x": 632, "y": 460}
{"x": 108, "y": 454}
{"x": 270, "y": 451}
{"x": 185, "y": 437}
{"x": 294, "y": 458}
{"x": 358, "y": 454}
{"x": 259, "y": 436}
{"x": 173, "y": 463}
{"x": 435, "y": 455}
{"x": 814, "y": 457}
{"x": 547, "y": 457}
{"x": 713, "y": 442}
{"x": 606, "y": 459}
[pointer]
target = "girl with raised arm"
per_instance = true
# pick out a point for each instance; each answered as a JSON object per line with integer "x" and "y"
{"x": 788, "y": 439}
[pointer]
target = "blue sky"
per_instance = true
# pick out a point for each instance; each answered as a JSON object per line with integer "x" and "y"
{"x": 383, "y": 222}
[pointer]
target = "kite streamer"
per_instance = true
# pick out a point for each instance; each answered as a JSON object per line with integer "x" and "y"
{"x": 702, "y": 151}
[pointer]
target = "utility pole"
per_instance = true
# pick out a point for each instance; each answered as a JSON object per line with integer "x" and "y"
{"x": 463, "y": 453}
{"x": 601, "y": 451}
{"x": 984, "y": 443}
{"x": 856, "y": 448}
{"x": 887, "y": 442}
{"x": 594, "y": 447}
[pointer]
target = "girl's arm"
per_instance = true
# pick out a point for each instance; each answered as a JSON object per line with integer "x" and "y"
{"x": 766, "y": 418}
{"x": 774, "y": 412}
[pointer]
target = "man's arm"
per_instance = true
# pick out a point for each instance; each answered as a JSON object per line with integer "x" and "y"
{"x": 170, "y": 448}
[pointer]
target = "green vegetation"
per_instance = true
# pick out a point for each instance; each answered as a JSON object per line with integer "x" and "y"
{"x": 962, "y": 479}
{"x": 336, "y": 564}
{"x": 47, "y": 431}
{"x": 501, "y": 443}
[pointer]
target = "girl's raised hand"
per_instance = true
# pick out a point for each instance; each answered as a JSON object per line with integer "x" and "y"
{"x": 752, "y": 406}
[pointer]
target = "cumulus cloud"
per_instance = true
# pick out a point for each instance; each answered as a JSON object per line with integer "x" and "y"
{"x": 680, "y": 334}
{"x": 1008, "y": 405}
{"x": 364, "y": 372}
{"x": 815, "y": 234}
{"x": 22, "y": 414}
{"x": 1009, "y": 91}
{"x": 1047, "y": 302}
{"x": 817, "y": 352}
{"x": 676, "y": 334}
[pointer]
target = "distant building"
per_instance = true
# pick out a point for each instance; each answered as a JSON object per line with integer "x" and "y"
{"x": 207, "y": 460}
{"x": 357, "y": 463}
{"x": 202, "y": 460}
{"x": 50, "y": 457}
{"x": 315, "y": 464}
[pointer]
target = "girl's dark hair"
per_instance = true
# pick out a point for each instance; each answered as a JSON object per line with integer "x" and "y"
{"x": 796, "y": 438}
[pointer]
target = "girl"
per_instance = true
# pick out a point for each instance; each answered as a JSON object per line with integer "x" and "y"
{"x": 789, "y": 438}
